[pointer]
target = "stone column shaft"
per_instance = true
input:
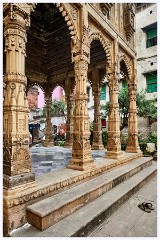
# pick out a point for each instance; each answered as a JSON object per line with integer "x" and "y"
{"x": 133, "y": 145}
{"x": 114, "y": 144}
{"x": 69, "y": 123}
{"x": 16, "y": 158}
{"x": 49, "y": 141}
{"x": 97, "y": 127}
{"x": 81, "y": 150}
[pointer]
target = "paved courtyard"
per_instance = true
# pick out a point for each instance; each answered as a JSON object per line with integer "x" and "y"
{"x": 50, "y": 159}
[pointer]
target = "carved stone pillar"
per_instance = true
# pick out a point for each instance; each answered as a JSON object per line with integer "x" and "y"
{"x": 97, "y": 128}
{"x": 70, "y": 106}
{"x": 49, "y": 141}
{"x": 114, "y": 144}
{"x": 16, "y": 158}
{"x": 81, "y": 149}
{"x": 133, "y": 145}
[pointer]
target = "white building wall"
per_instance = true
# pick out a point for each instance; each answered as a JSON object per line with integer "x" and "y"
{"x": 146, "y": 57}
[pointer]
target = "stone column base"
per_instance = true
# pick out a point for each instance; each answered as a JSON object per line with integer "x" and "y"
{"x": 115, "y": 155}
{"x": 12, "y": 182}
{"x": 77, "y": 164}
{"x": 132, "y": 149}
{"x": 96, "y": 146}
{"x": 48, "y": 144}
{"x": 68, "y": 145}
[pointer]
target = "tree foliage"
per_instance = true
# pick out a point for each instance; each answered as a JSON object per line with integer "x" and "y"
{"x": 145, "y": 107}
{"x": 58, "y": 108}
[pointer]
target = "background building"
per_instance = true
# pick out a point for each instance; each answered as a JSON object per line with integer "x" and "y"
{"x": 146, "y": 47}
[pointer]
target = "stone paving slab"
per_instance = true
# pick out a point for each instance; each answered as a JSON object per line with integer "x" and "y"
{"x": 46, "y": 163}
{"x": 59, "y": 155}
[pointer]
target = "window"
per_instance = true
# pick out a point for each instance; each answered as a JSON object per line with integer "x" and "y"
{"x": 103, "y": 92}
{"x": 103, "y": 123}
{"x": 151, "y": 80}
{"x": 88, "y": 93}
{"x": 151, "y": 37}
{"x": 124, "y": 83}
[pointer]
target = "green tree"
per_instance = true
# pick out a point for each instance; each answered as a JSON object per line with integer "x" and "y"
{"x": 145, "y": 107}
{"x": 58, "y": 108}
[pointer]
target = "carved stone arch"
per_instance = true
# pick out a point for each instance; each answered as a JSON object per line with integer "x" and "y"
{"x": 106, "y": 44}
{"x": 124, "y": 58}
{"x": 30, "y": 85}
{"x": 58, "y": 85}
{"x": 69, "y": 20}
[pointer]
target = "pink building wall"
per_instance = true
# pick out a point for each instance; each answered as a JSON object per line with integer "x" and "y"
{"x": 40, "y": 98}
{"x": 57, "y": 94}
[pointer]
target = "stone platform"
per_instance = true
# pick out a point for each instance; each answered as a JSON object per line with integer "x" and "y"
{"x": 98, "y": 198}
{"x": 16, "y": 200}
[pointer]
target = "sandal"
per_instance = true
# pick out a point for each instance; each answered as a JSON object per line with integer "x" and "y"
{"x": 148, "y": 205}
{"x": 144, "y": 208}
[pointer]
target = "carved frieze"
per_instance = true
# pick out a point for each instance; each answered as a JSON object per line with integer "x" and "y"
{"x": 129, "y": 15}
{"x": 116, "y": 139}
{"x": 7, "y": 150}
{"x": 10, "y": 182}
{"x": 21, "y": 161}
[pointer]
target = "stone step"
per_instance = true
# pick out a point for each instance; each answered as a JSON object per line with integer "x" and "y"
{"x": 47, "y": 212}
{"x": 82, "y": 222}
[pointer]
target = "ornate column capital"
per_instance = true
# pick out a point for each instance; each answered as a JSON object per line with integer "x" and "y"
{"x": 17, "y": 13}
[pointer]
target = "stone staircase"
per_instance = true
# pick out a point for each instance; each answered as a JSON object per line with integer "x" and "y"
{"x": 78, "y": 210}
